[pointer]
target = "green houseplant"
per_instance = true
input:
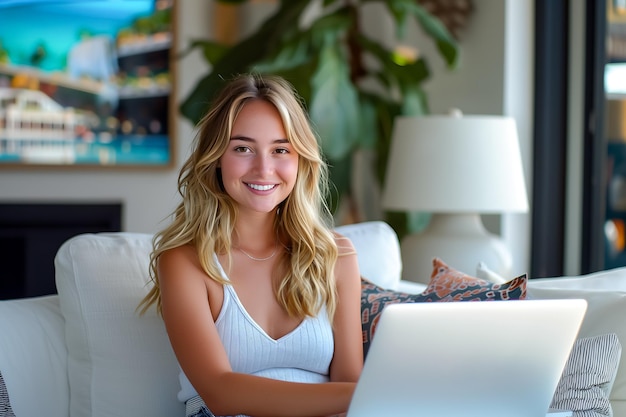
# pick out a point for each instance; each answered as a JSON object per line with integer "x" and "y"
{"x": 352, "y": 85}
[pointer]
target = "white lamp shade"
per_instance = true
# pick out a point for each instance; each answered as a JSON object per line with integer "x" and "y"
{"x": 451, "y": 164}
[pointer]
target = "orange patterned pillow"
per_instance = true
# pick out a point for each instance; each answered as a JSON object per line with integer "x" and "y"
{"x": 449, "y": 284}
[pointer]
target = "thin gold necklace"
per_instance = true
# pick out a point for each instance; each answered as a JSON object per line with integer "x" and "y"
{"x": 261, "y": 259}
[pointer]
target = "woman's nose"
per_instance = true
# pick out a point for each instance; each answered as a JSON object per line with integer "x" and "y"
{"x": 264, "y": 164}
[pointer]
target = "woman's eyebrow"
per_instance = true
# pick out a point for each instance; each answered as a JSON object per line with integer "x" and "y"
{"x": 243, "y": 138}
{"x": 248, "y": 139}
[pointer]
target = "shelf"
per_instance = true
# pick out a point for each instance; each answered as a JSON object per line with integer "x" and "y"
{"x": 136, "y": 93}
{"x": 56, "y": 78}
{"x": 159, "y": 42}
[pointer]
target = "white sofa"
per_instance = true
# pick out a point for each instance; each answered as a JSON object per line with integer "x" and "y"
{"x": 85, "y": 352}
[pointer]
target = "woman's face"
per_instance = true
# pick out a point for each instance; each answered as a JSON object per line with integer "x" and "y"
{"x": 260, "y": 166}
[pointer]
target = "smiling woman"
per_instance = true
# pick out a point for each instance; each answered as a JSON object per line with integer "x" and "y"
{"x": 250, "y": 270}
{"x": 106, "y": 68}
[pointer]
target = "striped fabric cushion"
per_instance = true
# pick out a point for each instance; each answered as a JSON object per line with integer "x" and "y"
{"x": 588, "y": 377}
{"x": 5, "y": 404}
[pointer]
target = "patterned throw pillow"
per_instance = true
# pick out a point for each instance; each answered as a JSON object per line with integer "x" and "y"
{"x": 449, "y": 284}
{"x": 446, "y": 284}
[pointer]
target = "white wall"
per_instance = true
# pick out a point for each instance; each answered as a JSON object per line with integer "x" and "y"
{"x": 476, "y": 86}
{"x": 148, "y": 196}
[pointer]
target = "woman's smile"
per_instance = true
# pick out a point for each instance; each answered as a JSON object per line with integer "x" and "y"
{"x": 259, "y": 187}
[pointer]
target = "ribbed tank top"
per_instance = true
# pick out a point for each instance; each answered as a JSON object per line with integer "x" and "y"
{"x": 303, "y": 355}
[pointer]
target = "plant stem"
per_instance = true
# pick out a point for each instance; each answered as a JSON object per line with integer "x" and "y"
{"x": 357, "y": 69}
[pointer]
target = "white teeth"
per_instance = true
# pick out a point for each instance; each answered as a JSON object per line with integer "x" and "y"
{"x": 261, "y": 187}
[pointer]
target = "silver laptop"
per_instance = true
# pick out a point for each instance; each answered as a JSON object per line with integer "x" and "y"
{"x": 487, "y": 359}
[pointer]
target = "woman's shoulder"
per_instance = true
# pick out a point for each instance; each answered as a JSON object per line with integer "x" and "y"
{"x": 179, "y": 256}
{"x": 182, "y": 251}
{"x": 346, "y": 268}
{"x": 344, "y": 244}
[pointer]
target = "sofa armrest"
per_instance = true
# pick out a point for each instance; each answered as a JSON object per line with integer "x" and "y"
{"x": 119, "y": 362}
{"x": 33, "y": 356}
{"x": 605, "y": 292}
{"x": 378, "y": 250}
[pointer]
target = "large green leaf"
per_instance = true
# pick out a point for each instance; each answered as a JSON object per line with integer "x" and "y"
{"x": 300, "y": 77}
{"x": 241, "y": 57}
{"x": 390, "y": 73}
{"x": 399, "y": 13}
{"x": 446, "y": 44}
{"x": 415, "y": 102}
{"x": 368, "y": 126}
{"x": 331, "y": 27}
{"x": 301, "y": 46}
{"x": 211, "y": 51}
{"x": 334, "y": 104}
{"x": 293, "y": 53}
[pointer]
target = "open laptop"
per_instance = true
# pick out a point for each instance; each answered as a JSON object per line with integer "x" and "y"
{"x": 486, "y": 359}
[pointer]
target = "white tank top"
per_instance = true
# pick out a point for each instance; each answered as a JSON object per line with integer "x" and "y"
{"x": 303, "y": 355}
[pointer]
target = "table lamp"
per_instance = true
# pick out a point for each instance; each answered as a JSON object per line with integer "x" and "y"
{"x": 455, "y": 167}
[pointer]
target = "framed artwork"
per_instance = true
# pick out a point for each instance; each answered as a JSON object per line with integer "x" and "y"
{"x": 87, "y": 83}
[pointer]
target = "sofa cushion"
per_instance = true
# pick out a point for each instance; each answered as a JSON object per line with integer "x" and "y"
{"x": 120, "y": 363}
{"x": 588, "y": 376}
{"x": 33, "y": 357}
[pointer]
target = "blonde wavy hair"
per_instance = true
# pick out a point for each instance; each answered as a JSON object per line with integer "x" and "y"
{"x": 206, "y": 216}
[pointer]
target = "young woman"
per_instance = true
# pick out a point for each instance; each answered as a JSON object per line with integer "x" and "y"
{"x": 260, "y": 298}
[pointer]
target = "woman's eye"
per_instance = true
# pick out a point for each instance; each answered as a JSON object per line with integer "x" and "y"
{"x": 241, "y": 149}
{"x": 282, "y": 151}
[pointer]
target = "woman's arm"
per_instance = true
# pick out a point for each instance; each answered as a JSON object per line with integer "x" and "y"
{"x": 199, "y": 350}
{"x": 348, "y": 358}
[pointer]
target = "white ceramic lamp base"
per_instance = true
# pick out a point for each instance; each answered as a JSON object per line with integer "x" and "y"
{"x": 459, "y": 240}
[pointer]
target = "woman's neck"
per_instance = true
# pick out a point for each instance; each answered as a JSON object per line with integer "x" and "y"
{"x": 255, "y": 232}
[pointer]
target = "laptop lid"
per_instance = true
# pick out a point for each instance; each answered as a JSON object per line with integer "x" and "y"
{"x": 488, "y": 359}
